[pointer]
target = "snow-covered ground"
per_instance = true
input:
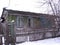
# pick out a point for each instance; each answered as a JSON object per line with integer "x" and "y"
{"x": 51, "y": 41}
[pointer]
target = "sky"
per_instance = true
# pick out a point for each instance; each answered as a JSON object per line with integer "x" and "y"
{"x": 25, "y": 5}
{"x": 3, "y": 3}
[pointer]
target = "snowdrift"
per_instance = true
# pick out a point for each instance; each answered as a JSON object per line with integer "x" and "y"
{"x": 51, "y": 41}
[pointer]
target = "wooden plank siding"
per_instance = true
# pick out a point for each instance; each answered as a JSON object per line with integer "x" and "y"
{"x": 28, "y": 26}
{"x": 1, "y": 34}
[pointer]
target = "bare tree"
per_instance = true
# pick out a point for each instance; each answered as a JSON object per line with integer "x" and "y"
{"x": 54, "y": 6}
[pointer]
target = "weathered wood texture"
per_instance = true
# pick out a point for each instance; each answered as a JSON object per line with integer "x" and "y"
{"x": 34, "y": 27}
{"x": 36, "y": 34}
{"x": 1, "y": 32}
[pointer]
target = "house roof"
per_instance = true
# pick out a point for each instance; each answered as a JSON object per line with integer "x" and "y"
{"x": 23, "y": 12}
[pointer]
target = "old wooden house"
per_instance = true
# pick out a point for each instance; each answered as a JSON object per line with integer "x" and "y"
{"x": 21, "y": 26}
{"x": 1, "y": 32}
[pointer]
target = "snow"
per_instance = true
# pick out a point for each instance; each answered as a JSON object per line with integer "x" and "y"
{"x": 26, "y": 5}
{"x": 51, "y": 41}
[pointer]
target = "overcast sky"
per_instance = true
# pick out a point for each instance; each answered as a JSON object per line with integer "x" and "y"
{"x": 24, "y": 5}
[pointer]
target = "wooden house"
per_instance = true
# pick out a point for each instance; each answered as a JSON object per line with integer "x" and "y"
{"x": 21, "y": 26}
{"x": 0, "y": 34}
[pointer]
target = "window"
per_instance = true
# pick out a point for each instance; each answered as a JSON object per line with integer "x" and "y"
{"x": 45, "y": 22}
{"x": 21, "y": 21}
{"x": 36, "y": 22}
